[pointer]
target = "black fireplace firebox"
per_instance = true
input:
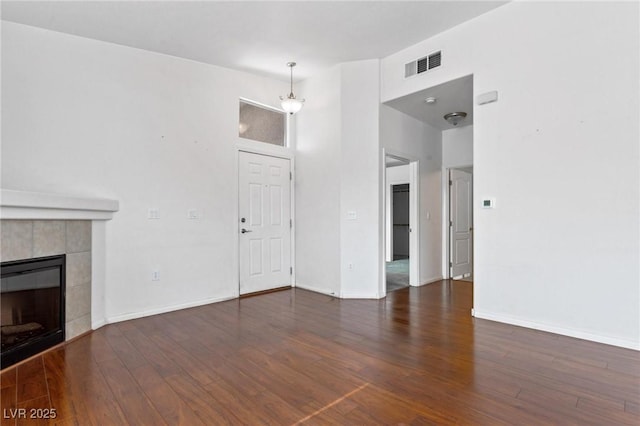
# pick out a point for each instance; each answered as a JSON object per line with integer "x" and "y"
{"x": 31, "y": 307}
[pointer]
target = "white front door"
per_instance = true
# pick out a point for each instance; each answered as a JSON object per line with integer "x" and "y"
{"x": 265, "y": 222}
{"x": 461, "y": 222}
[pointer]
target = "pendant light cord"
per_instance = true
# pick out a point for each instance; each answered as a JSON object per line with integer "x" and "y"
{"x": 291, "y": 95}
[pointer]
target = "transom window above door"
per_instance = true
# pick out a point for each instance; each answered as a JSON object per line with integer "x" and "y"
{"x": 261, "y": 123}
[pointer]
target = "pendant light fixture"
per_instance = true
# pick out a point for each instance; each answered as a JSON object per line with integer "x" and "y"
{"x": 289, "y": 103}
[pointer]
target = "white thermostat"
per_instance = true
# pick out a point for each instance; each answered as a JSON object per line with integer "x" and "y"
{"x": 488, "y": 203}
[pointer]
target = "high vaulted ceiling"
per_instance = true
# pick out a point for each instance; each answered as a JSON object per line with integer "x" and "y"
{"x": 255, "y": 36}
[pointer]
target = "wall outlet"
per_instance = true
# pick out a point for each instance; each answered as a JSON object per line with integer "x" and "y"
{"x": 350, "y": 265}
{"x": 153, "y": 214}
{"x": 155, "y": 275}
{"x": 193, "y": 214}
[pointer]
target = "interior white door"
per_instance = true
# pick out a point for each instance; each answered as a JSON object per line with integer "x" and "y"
{"x": 461, "y": 222}
{"x": 265, "y": 222}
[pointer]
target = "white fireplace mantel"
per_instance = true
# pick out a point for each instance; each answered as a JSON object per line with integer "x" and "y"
{"x": 26, "y": 205}
{"x": 36, "y": 205}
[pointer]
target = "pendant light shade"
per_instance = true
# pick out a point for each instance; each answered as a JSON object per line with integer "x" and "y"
{"x": 455, "y": 117}
{"x": 290, "y": 104}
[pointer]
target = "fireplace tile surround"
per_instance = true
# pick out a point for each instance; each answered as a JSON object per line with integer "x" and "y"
{"x": 36, "y": 224}
{"x": 26, "y": 239}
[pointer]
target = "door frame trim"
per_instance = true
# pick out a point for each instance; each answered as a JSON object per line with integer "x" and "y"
{"x": 269, "y": 151}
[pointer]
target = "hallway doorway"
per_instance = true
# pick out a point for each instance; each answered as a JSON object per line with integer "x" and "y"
{"x": 401, "y": 217}
{"x": 461, "y": 223}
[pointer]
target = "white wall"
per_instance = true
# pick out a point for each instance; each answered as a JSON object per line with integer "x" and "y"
{"x": 414, "y": 140}
{"x": 397, "y": 175}
{"x": 317, "y": 184}
{"x": 457, "y": 147}
{"x": 360, "y": 180}
{"x": 337, "y": 155}
{"x": 559, "y": 152}
{"x": 88, "y": 118}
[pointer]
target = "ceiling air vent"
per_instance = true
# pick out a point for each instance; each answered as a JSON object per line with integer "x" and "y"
{"x": 435, "y": 60}
{"x": 421, "y": 65}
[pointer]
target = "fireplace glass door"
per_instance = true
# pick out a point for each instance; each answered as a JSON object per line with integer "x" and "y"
{"x": 32, "y": 307}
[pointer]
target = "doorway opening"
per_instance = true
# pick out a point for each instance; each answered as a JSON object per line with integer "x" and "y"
{"x": 401, "y": 223}
{"x": 460, "y": 197}
{"x": 398, "y": 267}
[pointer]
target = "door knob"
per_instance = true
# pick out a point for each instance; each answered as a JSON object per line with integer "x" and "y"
{"x": 244, "y": 231}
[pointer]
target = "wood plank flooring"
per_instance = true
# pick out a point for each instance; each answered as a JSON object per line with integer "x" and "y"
{"x": 300, "y": 358}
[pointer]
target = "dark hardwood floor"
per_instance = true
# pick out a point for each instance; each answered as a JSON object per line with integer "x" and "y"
{"x": 297, "y": 357}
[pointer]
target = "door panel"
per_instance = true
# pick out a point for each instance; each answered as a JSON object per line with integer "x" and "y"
{"x": 265, "y": 206}
{"x": 255, "y": 257}
{"x": 462, "y": 252}
{"x": 255, "y": 204}
{"x": 461, "y": 216}
{"x": 276, "y": 254}
{"x": 276, "y": 205}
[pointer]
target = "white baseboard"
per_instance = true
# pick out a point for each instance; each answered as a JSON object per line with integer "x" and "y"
{"x": 341, "y": 295}
{"x": 430, "y": 280}
{"x": 359, "y": 296}
{"x": 614, "y": 341}
{"x": 165, "y": 309}
{"x": 328, "y": 292}
{"x": 97, "y": 324}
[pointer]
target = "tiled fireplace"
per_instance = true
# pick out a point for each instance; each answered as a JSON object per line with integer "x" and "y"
{"x": 53, "y": 228}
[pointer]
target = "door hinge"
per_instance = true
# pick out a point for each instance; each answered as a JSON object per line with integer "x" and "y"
{"x": 290, "y": 223}
{"x": 450, "y": 264}
{"x": 450, "y": 182}
{"x": 450, "y": 223}
{"x": 291, "y": 270}
{"x": 290, "y": 176}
